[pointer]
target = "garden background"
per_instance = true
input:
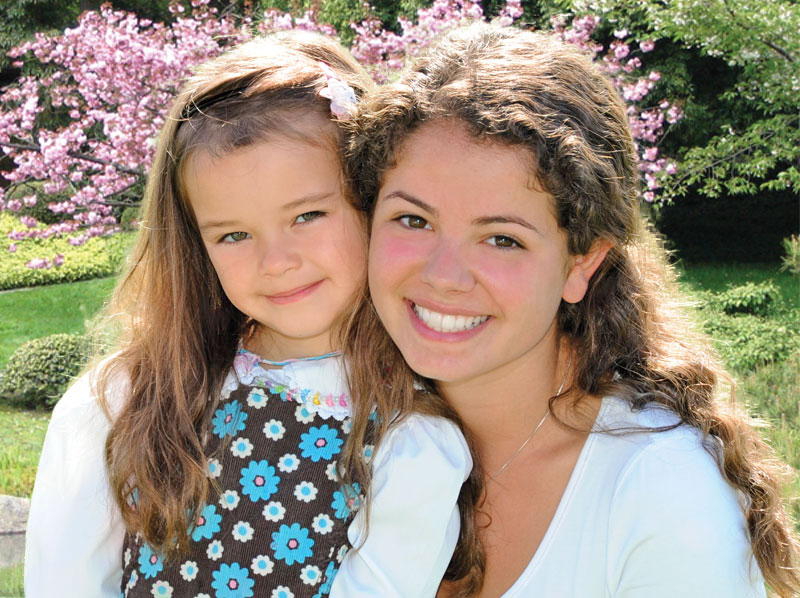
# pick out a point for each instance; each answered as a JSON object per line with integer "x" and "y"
{"x": 711, "y": 86}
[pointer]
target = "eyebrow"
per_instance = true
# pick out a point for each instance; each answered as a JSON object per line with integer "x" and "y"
{"x": 292, "y": 205}
{"x": 502, "y": 219}
{"x": 482, "y": 221}
{"x": 412, "y": 200}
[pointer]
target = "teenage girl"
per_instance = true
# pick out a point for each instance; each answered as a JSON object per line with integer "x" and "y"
{"x": 510, "y": 265}
{"x": 200, "y": 459}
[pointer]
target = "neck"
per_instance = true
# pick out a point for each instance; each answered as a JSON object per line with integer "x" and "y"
{"x": 274, "y": 347}
{"x": 501, "y": 408}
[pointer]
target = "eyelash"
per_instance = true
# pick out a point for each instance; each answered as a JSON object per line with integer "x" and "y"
{"x": 225, "y": 239}
{"x": 317, "y": 214}
{"x": 515, "y": 244}
{"x": 405, "y": 218}
{"x": 310, "y": 217}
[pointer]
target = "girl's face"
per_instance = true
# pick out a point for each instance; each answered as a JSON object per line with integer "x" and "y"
{"x": 288, "y": 248}
{"x": 467, "y": 264}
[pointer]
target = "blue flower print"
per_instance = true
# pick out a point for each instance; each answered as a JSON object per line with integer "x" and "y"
{"x": 232, "y": 581}
{"x": 229, "y": 420}
{"x": 149, "y": 562}
{"x": 321, "y": 443}
{"x": 207, "y": 523}
{"x": 258, "y": 480}
{"x": 291, "y": 544}
{"x": 346, "y": 500}
{"x": 325, "y": 588}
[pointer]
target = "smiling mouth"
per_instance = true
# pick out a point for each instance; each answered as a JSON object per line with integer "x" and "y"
{"x": 294, "y": 294}
{"x": 447, "y": 322}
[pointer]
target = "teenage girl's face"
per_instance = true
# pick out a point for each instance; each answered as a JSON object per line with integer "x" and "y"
{"x": 467, "y": 264}
{"x": 289, "y": 250}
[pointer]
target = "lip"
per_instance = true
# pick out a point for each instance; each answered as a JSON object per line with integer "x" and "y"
{"x": 435, "y": 335}
{"x": 295, "y": 294}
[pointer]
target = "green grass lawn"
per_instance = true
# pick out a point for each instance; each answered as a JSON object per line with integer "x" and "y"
{"x": 11, "y": 582}
{"x": 20, "y": 445}
{"x": 35, "y": 312}
{"x": 32, "y": 313}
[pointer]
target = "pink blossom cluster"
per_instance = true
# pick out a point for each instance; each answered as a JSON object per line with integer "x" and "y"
{"x": 111, "y": 79}
{"x": 39, "y": 263}
{"x": 384, "y": 53}
{"x": 622, "y": 61}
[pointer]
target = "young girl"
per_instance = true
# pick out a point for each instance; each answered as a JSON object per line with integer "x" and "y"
{"x": 200, "y": 458}
{"x": 511, "y": 267}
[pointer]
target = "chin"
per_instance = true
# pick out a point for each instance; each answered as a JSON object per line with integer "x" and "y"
{"x": 435, "y": 369}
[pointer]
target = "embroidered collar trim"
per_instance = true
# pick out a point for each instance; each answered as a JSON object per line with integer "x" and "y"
{"x": 319, "y": 384}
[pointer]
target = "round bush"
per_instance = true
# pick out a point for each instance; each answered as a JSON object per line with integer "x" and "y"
{"x": 38, "y": 373}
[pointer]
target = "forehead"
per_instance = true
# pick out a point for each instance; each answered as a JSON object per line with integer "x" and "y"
{"x": 446, "y": 167}
{"x": 448, "y": 144}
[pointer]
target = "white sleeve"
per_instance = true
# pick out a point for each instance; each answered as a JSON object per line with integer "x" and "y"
{"x": 693, "y": 543}
{"x": 75, "y": 532}
{"x": 414, "y": 522}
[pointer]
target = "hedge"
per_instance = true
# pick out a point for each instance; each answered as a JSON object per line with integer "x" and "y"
{"x": 98, "y": 257}
{"x": 38, "y": 373}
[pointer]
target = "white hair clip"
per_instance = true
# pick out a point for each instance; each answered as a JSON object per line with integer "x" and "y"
{"x": 342, "y": 97}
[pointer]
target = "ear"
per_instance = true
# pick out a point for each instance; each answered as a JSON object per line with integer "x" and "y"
{"x": 583, "y": 267}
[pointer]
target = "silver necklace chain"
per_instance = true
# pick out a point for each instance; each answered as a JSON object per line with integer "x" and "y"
{"x": 535, "y": 429}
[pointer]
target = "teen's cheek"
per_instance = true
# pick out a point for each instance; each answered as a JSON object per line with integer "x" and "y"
{"x": 390, "y": 251}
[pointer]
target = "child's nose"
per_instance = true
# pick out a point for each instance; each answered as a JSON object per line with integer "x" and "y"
{"x": 277, "y": 257}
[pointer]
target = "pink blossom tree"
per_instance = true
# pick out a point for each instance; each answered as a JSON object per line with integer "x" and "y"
{"x": 86, "y": 131}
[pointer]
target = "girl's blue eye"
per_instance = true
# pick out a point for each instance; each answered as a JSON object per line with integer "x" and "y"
{"x": 309, "y": 216}
{"x": 235, "y": 237}
{"x": 503, "y": 242}
{"x": 413, "y": 221}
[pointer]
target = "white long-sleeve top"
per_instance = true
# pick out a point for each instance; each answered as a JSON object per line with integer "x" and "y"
{"x": 644, "y": 515}
{"x": 75, "y": 531}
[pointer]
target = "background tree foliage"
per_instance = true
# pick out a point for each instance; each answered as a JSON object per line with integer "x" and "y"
{"x": 737, "y": 64}
{"x": 734, "y": 64}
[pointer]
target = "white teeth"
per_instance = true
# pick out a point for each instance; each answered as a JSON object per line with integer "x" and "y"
{"x": 448, "y": 322}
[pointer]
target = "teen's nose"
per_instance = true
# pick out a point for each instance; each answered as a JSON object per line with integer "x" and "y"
{"x": 278, "y": 256}
{"x": 447, "y": 269}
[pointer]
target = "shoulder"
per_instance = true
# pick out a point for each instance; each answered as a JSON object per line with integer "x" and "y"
{"x": 81, "y": 401}
{"x": 655, "y": 454}
{"x": 653, "y": 443}
{"x": 670, "y": 503}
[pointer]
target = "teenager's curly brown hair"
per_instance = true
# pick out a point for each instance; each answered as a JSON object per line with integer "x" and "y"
{"x": 630, "y": 336}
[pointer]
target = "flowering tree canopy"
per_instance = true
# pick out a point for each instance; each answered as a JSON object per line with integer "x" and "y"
{"x": 754, "y": 143}
{"x": 79, "y": 140}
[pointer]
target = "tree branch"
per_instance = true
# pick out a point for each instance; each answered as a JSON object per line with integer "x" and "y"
{"x": 774, "y": 47}
{"x": 76, "y": 155}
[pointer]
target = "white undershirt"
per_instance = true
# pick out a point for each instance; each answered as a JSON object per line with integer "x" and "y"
{"x": 644, "y": 515}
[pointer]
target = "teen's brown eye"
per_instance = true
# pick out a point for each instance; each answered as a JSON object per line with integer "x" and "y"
{"x": 503, "y": 242}
{"x": 413, "y": 221}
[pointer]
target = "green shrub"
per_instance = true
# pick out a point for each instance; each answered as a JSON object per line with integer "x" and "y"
{"x": 750, "y": 298}
{"x": 129, "y": 218}
{"x": 38, "y": 373}
{"x": 791, "y": 254}
{"x": 98, "y": 257}
{"x": 746, "y": 341}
